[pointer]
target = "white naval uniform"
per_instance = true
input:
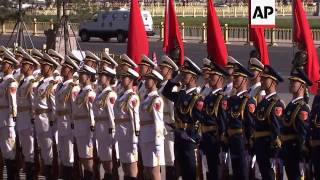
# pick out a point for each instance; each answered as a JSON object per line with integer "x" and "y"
{"x": 45, "y": 108}
{"x": 65, "y": 95}
{"x": 126, "y": 111}
{"x": 151, "y": 139}
{"x": 18, "y": 76}
{"x": 168, "y": 117}
{"x": 8, "y": 110}
{"x": 25, "y": 100}
{"x": 104, "y": 117}
{"x": 142, "y": 91}
{"x": 82, "y": 113}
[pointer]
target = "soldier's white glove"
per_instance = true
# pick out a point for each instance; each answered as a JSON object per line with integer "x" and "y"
{"x": 135, "y": 147}
{"x": 158, "y": 150}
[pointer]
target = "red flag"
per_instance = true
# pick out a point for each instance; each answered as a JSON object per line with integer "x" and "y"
{"x": 172, "y": 35}
{"x": 303, "y": 35}
{"x": 216, "y": 47}
{"x": 259, "y": 42}
{"x": 137, "y": 36}
{"x": 256, "y": 35}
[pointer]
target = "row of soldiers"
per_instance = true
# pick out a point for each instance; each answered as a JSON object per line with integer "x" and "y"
{"x": 65, "y": 111}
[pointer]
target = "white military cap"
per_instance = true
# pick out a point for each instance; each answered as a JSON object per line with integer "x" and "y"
{"x": 20, "y": 51}
{"x": 91, "y": 57}
{"x": 155, "y": 75}
{"x": 206, "y": 64}
{"x": 28, "y": 59}
{"x": 55, "y": 55}
{"x": 125, "y": 60}
{"x": 167, "y": 61}
{"x": 35, "y": 53}
{"x": 49, "y": 60}
{"x": 2, "y": 49}
{"x": 255, "y": 64}
{"x": 8, "y": 58}
{"x": 190, "y": 67}
{"x": 131, "y": 73}
{"x": 108, "y": 71}
{"x": 85, "y": 69}
{"x": 145, "y": 60}
{"x": 108, "y": 59}
{"x": 231, "y": 62}
{"x": 71, "y": 63}
{"x": 73, "y": 57}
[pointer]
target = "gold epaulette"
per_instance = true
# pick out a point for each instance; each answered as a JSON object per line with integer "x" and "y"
{"x": 214, "y": 110}
{"x": 102, "y": 103}
{"x": 153, "y": 100}
{"x": 68, "y": 91}
{"x": 294, "y": 115}
{"x": 48, "y": 90}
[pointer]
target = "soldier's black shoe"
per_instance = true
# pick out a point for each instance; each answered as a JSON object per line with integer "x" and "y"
{"x": 67, "y": 173}
{"x": 30, "y": 171}
{"x": 48, "y": 172}
{"x": 129, "y": 178}
{"x": 88, "y": 175}
{"x": 107, "y": 176}
{"x": 11, "y": 169}
{"x": 171, "y": 173}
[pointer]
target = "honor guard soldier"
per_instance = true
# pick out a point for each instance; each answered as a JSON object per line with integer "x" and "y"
{"x": 295, "y": 125}
{"x": 151, "y": 139}
{"x": 205, "y": 89}
{"x": 36, "y": 54}
{"x": 256, "y": 68}
{"x": 228, "y": 88}
{"x": 240, "y": 118}
{"x": 58, "y": 58}
{"x": 125, "y": 63}
{"x": 8, "y": 110}
{"x": 104, "y": 117}
{"x": 108, "y": 61}
{"x": 127, "y": 122}
{"x": 146, "y": 66}
{"x": 188, "y": 106}
{"x": 74, "y": 58}
{"x": 167, "y": 68}
{"x": 268, "y": 116}
{"x": 315, "y": 134}
{"x": 82, "y": 113}
{"x": 65, "y": 96}
{"x": 19, "y": 56}
{"x": 212, "y": 124}
{"x": 45, "y": 113}
{"x": 25, "y": 100}
{"x": 91, "y": 60}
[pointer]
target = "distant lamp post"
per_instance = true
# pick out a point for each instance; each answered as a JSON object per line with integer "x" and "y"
{"x": 318, "y": 8}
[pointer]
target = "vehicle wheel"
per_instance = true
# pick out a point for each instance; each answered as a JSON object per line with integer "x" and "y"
{"x": 106, "y": 39}
{"x": 121, "y": 37}
{"x": 84, "y": 36}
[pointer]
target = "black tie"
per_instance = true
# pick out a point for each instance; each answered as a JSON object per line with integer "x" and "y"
{"x": 41, "y": 82}
{"x": 21, "y": 82}
{"x": 60, "y": 86}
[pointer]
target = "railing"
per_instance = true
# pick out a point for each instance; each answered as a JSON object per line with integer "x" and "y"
{"x": 186, "y": 11}
{"x": 231, "y": 34}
